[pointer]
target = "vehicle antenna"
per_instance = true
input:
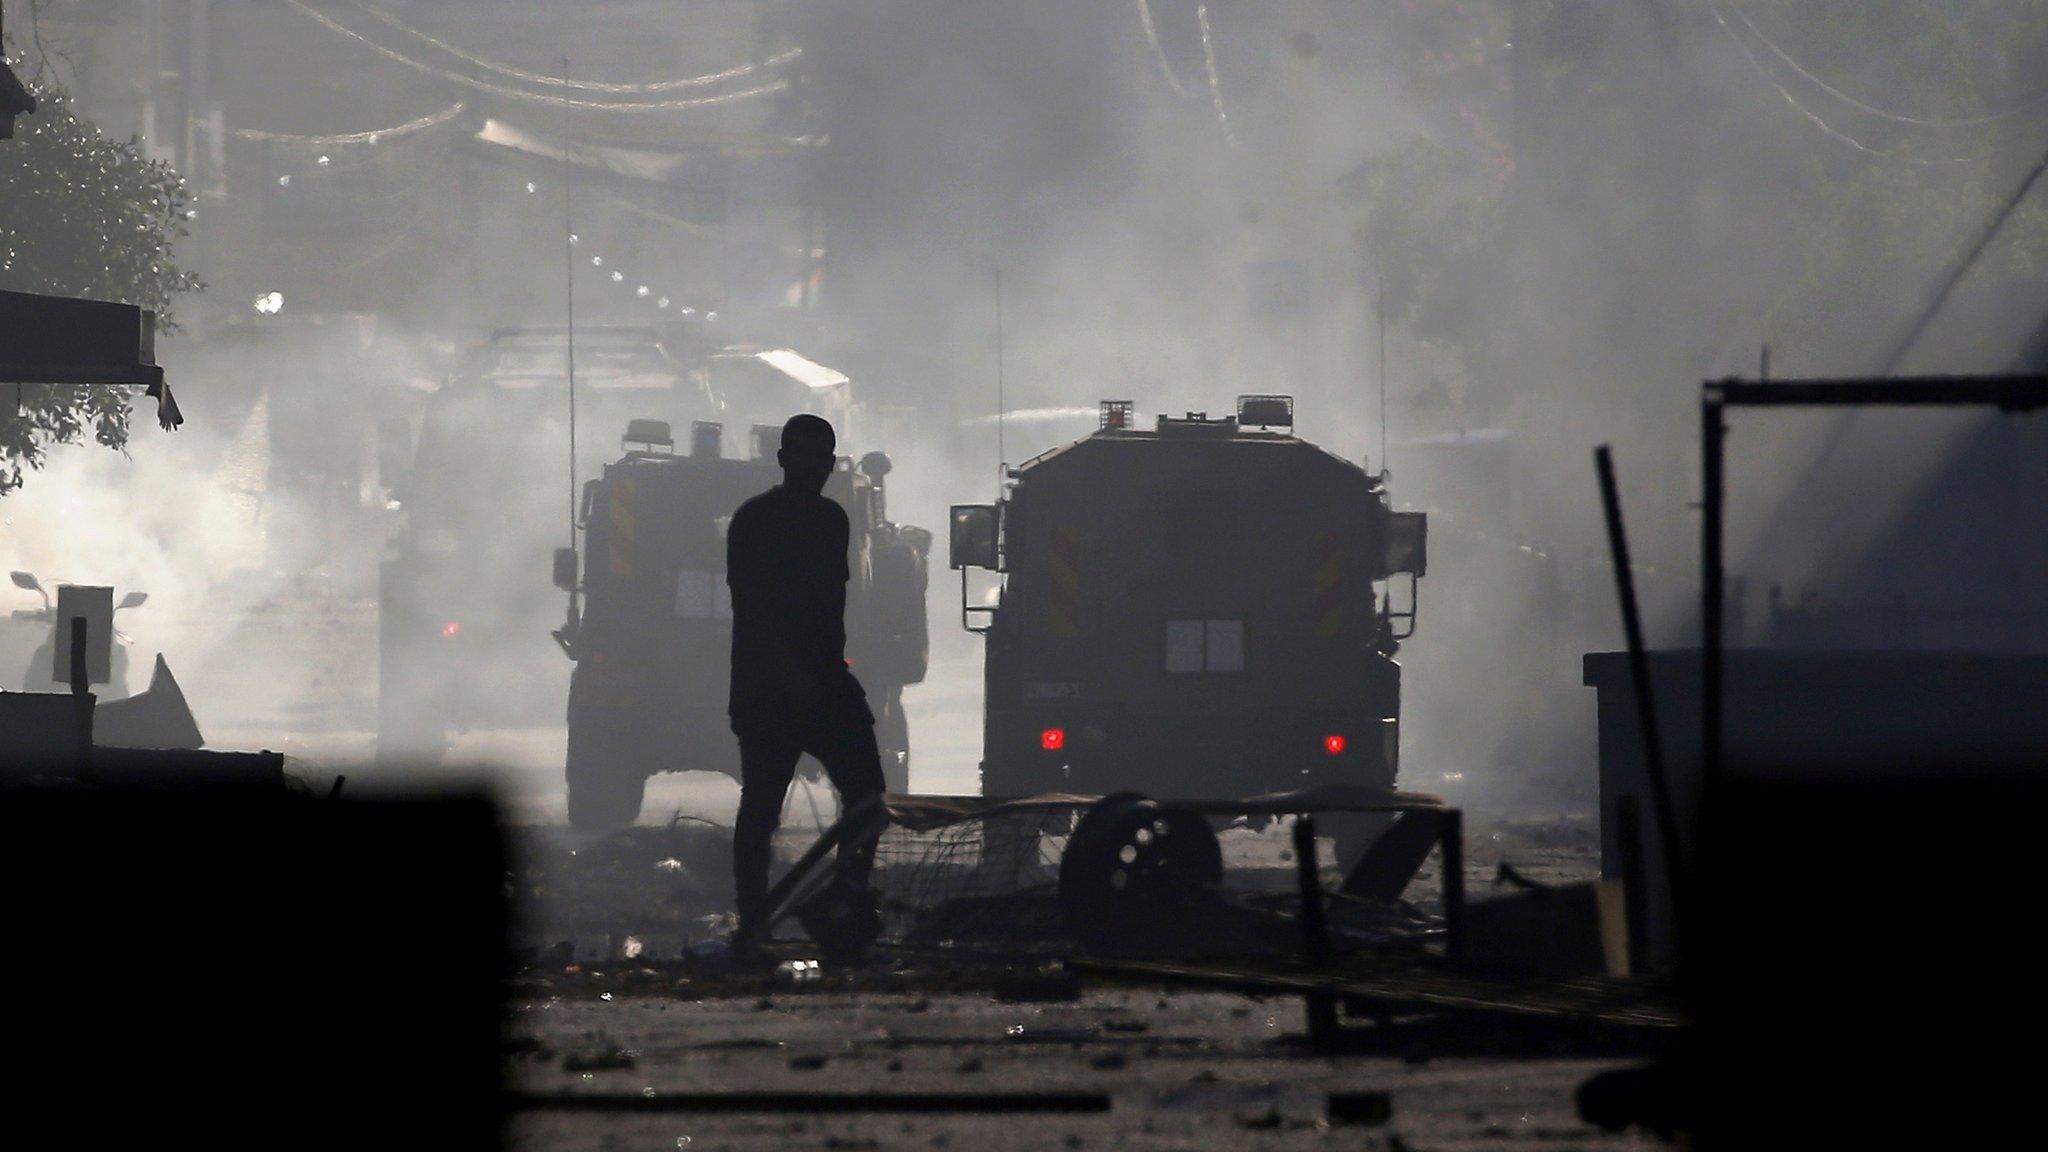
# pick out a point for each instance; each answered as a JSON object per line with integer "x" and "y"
{"x": 1000, "y": 454}
{"x": 569, "y": 292}
{"x": 1379, "y": 301}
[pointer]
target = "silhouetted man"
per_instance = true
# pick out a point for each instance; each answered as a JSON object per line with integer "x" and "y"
{"x": 792, "y": 693}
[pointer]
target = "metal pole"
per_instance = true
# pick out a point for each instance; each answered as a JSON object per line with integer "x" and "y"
{"x": 1713, "y": 434}
{"x": 81, "y": 699}
{"x": 1379, "y": 299}
{"x": 1453, "y": 848}
{"x": 1321, "y": 1006}
{"x": 569, "y": 291}
{"x": 1000, "y": 453}
{"x": 1639, "y": 671}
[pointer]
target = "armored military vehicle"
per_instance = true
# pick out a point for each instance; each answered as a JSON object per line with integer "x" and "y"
{"x": 479, "y": 494}
{"x": 652, "y": 637}
{"x": 1207, "y": 608}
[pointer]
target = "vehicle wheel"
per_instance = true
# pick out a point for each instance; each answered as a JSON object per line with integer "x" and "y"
{"x": 606, "y": 786}
{"x": 1135, "y": 871}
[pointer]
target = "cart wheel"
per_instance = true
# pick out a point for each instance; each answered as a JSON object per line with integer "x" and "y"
{"x": 1134, "y": 871}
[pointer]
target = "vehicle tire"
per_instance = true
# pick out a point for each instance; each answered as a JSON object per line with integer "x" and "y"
{"x": 1136, "y": 874}
{"x": 606, "y": 786}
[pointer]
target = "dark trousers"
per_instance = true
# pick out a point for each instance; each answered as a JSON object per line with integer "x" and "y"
{"x": 767, "y": 764}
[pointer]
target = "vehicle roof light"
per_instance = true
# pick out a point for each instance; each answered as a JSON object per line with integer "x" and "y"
{"x": 1265, "y": 411}
{"x": 1116, "y": 414}
{"x": 650, "y": 434}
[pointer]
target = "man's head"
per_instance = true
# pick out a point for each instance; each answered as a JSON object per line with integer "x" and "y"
{"x": 807, "y": 453}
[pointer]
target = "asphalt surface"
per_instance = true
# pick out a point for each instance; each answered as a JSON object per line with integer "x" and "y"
{"x": 1180, "y": 1070}
{"x": 609, "y": 1017}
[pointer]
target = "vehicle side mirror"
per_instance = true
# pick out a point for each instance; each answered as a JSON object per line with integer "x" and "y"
{"x": 565, "y": 569}
{"x": 1407, "y": 543}
{"x": 134, "y": 600}
{"x": 973, "y": 541}
{"x": 26, "y": 580}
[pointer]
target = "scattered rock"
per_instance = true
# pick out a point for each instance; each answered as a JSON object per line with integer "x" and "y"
{"x": 607, "y": 1059}
{"x": 1047, "y": 985}
{"x": 971, "y": 1064}
{"x": 1108, "y": 1060}
{"x": 1269, "y": 1119}
{"x": 1360, "y": 1108}
{"x": 809, "y": 1062}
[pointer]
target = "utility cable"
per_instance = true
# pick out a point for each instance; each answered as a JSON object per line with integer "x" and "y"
{"x": 1173, "y": 80}
{"x": 1815, "y": 119}
{"x": 333, "y": 25}
{"x": 504, "y": 69}
{"x": 1846, "y": 421}
{"x": 1215, "y": 81}
{"x": 2028, "y": 105}
{"x": 375, "y": 136}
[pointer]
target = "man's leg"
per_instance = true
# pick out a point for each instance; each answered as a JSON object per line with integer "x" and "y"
{"x": 854, "y": 765}
{"x": 767, "y": 762}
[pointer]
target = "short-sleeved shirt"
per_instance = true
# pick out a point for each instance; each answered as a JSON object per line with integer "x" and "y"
{"x": 785, "y": 558}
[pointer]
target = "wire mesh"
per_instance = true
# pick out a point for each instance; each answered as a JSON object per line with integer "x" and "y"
{"x": 986, "y": 879}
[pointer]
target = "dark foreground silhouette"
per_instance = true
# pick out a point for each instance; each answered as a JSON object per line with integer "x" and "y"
{"x": 792, "y": 692}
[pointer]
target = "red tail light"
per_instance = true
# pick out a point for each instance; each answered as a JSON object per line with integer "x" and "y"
{"x": 1053, "y": 739}
{"x": 1334, "y": 744}
{"x": 450, "y": 629}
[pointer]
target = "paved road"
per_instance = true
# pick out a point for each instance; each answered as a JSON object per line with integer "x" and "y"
{"x": 1183, "y": 1071}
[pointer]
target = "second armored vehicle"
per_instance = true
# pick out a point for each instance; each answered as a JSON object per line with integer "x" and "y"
{"x": 1203, "y": 609}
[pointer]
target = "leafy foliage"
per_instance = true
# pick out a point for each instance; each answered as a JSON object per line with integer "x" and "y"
{"x": 86, "y": 216}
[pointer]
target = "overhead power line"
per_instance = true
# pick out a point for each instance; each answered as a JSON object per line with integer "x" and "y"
{"x": 453, "y": 77}
{"x": 1173, "y": 80}
{"x": 1815, "y": 118}
{"x": 1215, "y": 81}
{"x": 375, "y": 136}
{"x": 2037, "y": 100}
{"x": 504, "y": 69}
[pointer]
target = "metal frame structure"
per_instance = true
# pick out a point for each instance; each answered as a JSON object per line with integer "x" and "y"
{"x": 2019, "y": 393}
